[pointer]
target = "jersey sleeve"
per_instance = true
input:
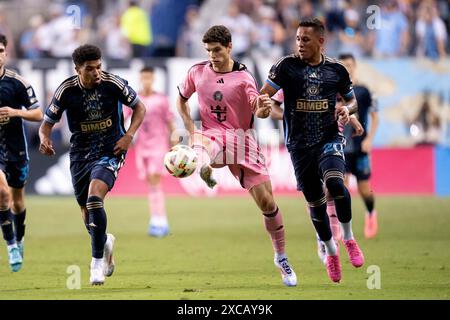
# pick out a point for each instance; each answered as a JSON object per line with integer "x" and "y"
{"x": 276, "y": 76}
{"x": 27, "y": 96}
{"x": 187, "y": 87}
{"x": 278, "y": 96}
{"x": 127, "y": 95}
{"x": 54, "y": 111}
{"x": 345, "y": 86}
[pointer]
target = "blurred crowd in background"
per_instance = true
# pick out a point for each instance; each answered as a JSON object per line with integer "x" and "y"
{"x": 168, "y": 28}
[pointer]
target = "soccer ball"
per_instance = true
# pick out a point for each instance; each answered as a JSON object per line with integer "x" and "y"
{"x": 180, "y": 161}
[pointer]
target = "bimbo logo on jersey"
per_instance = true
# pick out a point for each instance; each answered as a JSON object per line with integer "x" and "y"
{"x": 95, "y": 125}
{"x": 312, "y": 105}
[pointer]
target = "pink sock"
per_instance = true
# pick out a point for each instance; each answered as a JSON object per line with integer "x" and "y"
{"x": 274, "y": 225}
{"x": 157, "y": 204}
{"x": 334, "y": 222}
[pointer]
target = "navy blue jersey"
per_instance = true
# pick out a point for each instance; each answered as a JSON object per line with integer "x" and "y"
{"x": 365, "y": 106}
{"x": 309, "y": 98}
{"x": 94, "y": 115}
{"x": 16, "y": 93}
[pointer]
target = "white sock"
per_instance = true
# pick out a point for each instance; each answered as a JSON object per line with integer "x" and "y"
{"x": 330, "y": 247}
{"x": 158, "y": 221}
{"x": 347, "y": 230}
{"x": 10, "y": 246}
{"x": 96, "y": 261}
{"x": 280, "y": 256}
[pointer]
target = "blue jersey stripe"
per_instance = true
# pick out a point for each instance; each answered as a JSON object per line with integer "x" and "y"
{"x": 273, "y": 84}
{"x": 120, "y": 118}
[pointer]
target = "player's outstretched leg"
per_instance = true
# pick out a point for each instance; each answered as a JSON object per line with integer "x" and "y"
{"x": 273, "y": 222}
{"x": 97, "y": 224}
{"x": 158, "y": 226}
{"x": 371, "y": 219}
{"x": 334, "y": 181}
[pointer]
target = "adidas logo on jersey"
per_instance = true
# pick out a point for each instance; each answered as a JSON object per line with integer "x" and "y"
{"x": 313, "y": 75}
{"x": 220, "y": 81}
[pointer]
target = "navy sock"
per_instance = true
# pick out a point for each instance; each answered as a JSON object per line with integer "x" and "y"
{"x": 344, "y": 207}
{"x": 319, "y": 218}
{"x": 19, "y": 224}
{"x": 370, "y": 203}
{"x": 7, "y": 226}
{"x": 97, "y": 224}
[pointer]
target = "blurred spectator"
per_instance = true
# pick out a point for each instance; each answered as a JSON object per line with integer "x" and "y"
{"x": 135, "y": 24}
{"x": 392, "y": 38}
{"x": 351, "y": 37}
{"x": 29, "y": 42}
{"x": 271, "y": 34}
{"x": 116, "y": 44}
{"x": 431, "y": 33}
{"x": 242, "y": 30}
{"x": 189, "y": 41}
{"x": 6, "y": 30}
{"x": 426, "y": 126}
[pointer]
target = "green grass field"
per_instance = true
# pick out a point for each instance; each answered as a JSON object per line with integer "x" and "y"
{"x": 218, "y": 249}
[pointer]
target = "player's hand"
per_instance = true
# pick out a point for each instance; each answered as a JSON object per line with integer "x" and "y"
{"x": 46, "y": 147}
{"x": 263, "y": 106}
{"x": 8, "y": 112}
{"x": 366, "y": 145}
{"x": 358, "y": 129}
{"x": 341, "y": 113}
{"x": 123, "y": 144}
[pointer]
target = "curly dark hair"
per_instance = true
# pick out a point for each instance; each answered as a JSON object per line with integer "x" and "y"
{"x": 219, "y": 34}
{"x": 86, "y": 52}
{"x": 3, "y": 40}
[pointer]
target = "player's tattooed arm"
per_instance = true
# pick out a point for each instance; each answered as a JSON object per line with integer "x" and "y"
{"x": 185, "y": 113}
{"x": 30, "y": 115}
{"x": 124, "y": 143}
{"x": 46, "y": 145}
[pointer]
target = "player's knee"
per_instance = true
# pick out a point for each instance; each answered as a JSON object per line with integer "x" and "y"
{"x": 316, "y": 208}
{"x": 5, "y": 196}
{"x": 18, "y": 205}
{"x": 335, "y": 186}
{"x": 267, "y": 203}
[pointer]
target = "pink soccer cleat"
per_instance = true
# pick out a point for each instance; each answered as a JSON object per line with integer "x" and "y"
{"x": 354, "y": 253}
{"x": 333, "y": 268}
{"x": 371, "y": 225}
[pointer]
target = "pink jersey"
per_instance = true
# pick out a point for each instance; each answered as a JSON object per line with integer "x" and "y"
{"x": 225, "y": 98}
{"x": 153, "y": 136}
{"x": 278, "y": 96}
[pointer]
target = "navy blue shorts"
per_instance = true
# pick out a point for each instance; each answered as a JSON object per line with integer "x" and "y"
{"x": 16, "y": 172}
{"x": 311, "y": 163}
{"x": 105, "y": 169}
{"x": 358, "y": 164}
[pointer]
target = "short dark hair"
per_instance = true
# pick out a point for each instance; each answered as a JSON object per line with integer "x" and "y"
{"x": 219, "y": 34}
{"x": 345, "y": 56}
{"x": 314, "y": 23}
{"x": 3, "y": 40}
{"x": 148, "y": 69}
{"x": 86, "y": 52}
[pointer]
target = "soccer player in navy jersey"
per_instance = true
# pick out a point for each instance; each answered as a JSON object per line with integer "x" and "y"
{"x": 311, "y": 82}
{"x": 358, "y": 148}
{"x": 93, "y": 102}
{"x": 17, "y": 103}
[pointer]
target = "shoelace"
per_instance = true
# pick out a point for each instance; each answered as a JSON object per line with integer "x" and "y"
{"x": 285, "y": 265}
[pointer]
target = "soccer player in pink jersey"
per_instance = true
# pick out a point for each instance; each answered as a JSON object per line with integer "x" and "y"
{"x": 151, "y": 144}
{"x": 228, "y": 95}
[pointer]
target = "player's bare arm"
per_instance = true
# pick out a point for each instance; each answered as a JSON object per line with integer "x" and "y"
{"x": 124, "y": 143}
{"x": 356, "y": 125}
{"x": 262, "y": 106}
{"x": 366, "y": 144}
{"x": 277, "y": 111}
{"x": 348, "y": 107}
{"x": 30, "y": 115}
{"x": 185, "y": 113}
{"x": 46, "y": 145}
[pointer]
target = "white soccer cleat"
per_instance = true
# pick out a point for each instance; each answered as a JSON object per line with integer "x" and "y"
{"x": 206, "y": 175}
{"x": 287, "y": 273}
{"x": 97, "y": 277}
{"x": 108, "y": 260}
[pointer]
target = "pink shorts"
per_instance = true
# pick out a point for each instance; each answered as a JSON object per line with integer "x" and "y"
{"x": 244, "y": 160}
{"x": 149, "y": 164}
